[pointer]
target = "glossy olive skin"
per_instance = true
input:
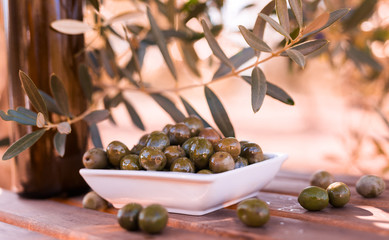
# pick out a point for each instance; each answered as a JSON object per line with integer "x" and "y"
{"x": 92, "y": 200}
{"x": 205, "y": 171}
{"x": 178, "y": 134}
{"x": 252, "y": 152}
{"x": 241, "y": 162}
{"x": 211, "y": 135}
{"x": 115, "y": 151}
{"x": 338, "y": 194}
{"x": 253, "y": 212}
{"x": 136, "y": 149}
{"x": 370, "y": 186}
{"x": 230, "y": 145}
{"x": 158, "y": 139}
{"x": 182, "y": 164}
{"x": 200, "y": 151}
{"x": 95, "y": 158}
{"x": 221, "y": 162}
{"x": 172, "y": 153}
{"x": 195, "y": 125}
{"x": 128, "y": 216}
{"x": 153, "y": 219}
{"x": 143, "y": 140}
{"x": 130, "y": 162}
{"x": 313, "y": 198}
{"x": 166, "y": 129}
{"x": 186, "y": 145}
{"x": 321, "y": 179}
{"x": 243, "y": 142}
{"x": 152, "y": 158}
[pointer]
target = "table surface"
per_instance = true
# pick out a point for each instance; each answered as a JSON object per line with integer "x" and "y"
{"x": 64, "y": 218}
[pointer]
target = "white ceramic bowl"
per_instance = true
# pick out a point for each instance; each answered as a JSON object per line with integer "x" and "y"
{"x": 186, "y": 193}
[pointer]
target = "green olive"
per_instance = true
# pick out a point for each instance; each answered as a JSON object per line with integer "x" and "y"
{"x": 158, "y": 139}
{"x": 243, "y": 142}
{"x": 313, "y": 198}
{"x": 211, "y": 135}
{"x": 252, "y": 152}
{"x": 195, "y": 125}
{"x": 182, "y": 164}
{"x": 178, "y": 134}
{"x": 370, "y": 186}
{"x": 221, "y": 162}
{"x": 205, "y": 171}
{"x": 253, "y": 212}
{"x": 321, "y": 179}
{"x": 152, "y": 158}
{"x": 92, "y": 200}
{"x": 230, "y": 145}
{"x": 128, "y": 216}
{"x": 338, "y": 194}
{"x": 186, "y": 145}
{"x": 130, "y": 162}
{"x": 241, "y": 162}
{"x": 166, "y": 129}
{"x": 143, "y": 140}
{"x": 136, "y": 149}
{"x": 153, "y": 219}
{"x": 200, "y": 151}
{"x": 115, "y": 151}
{"x": 172, "y": 153}
{"x": 95, "y": 158}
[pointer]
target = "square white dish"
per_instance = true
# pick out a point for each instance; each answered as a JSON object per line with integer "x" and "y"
{"x": 185, "y": 193}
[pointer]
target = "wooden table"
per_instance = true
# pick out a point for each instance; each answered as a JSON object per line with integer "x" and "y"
{"x": 64, "y": 218}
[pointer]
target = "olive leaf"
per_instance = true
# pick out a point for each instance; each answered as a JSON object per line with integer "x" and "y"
{"x": 124, "y": 16}
{"x": 258, "y": 88}
{"x": 308, "y": 47}
{"x": 219, "y": 114}
{"x": 296, "y": 56}
{"x": 40, "y": 120}
{"x": 190, "y": 57}
{"x": 362, "y": 12}
{"x": 23, "y": 143}
{"x": 133, "y": 114}
{"x": 275, "y": 25}
{"x": 95, "y": 4}
{"x": 215, "y": 47}
{"x": 334, "y": 16}
{"x": 259, "y": 26}
{"x": 191, "y": 111}
{"x": 85, "y": 81}
{"x": 96, "y": 116}
{"x": 50, "y": 103}
{"x": 18, "y": 116}
{"x": 70, "y": 26}
{"x": 253, "y": 40}
{"x": 316, "y": 24}
{"x": 60, "y": 143}
{"x": 161, "y": 42}
{"x": 297, "y": 9}
{"x": 64, "y": 128}
{"x": 27, "y": 112}
{"x": 282, "y": 14}
{"x": 95, "y": 136}
{"x": 59, "y": 93}
{"x": 169, "y": 107}
{"x": 33, "y": 94}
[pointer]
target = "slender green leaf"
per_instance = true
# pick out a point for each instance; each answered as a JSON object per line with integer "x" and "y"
{"x": 33, "y": 94}
{"x": 297, "y": 9}
{"x": 219, "y": 114}
{"x": 258, "y": 88}
{"x": 259, "y": 26}
{"x": 317, "y": 23}
{"x": 27, "y": 112}
{"x": 274, "y": 91}
{"x": 50, "y": 103}
{"x": 108, "y": 59}
{"x": 362, "y": 12}
{"x": 134, "y": 115}
{"x": 85, "y": 81}
{"x": 18, "y": 117}
{"x": 96, "y": 116}
{"x": 169, "y": 107}
{"x": 308, "y": 47}
{"x": 282, "y": 14}
{"x": 253, "y": 40}
{"x": 107, "y": 105}
{"x": 171, "y": 11}
{"x": 95, "y": 136}
{"x": 95, "y": 4}
{"x": 275, "y": 25}
{"x": 191, "y": 111}
{"x": 4, "y": 142}
{"x": 190, "y": 57}
{"x": 116, "y": 100}
{"x": 23, "y": 143}
{"x": 161, "y": 42}
{"x": 296, "y": 56}
{"x": 334, "y": 16}
{"x": 216, "y": 49}
{"x": 237, "y": 60}
{"x": 60, "y": 143}
{"x": 60, "y": 95}
{"x": 124, "y": 16}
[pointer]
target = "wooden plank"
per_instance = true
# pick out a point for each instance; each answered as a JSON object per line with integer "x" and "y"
{"x": 69, "y": 222}
{"x": 11, "y": 232}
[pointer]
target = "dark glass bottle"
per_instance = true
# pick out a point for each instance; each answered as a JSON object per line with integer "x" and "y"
{"x": 33, "y": 47}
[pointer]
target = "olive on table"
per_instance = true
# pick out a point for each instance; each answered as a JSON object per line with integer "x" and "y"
{"x": 115, "y": 151}
{"x": 92, "y": 200}
{"x": 178, "y": 134}
{"x": 200, "y": 151}
{"x": 152, "y": 158}
{"x": 253, "y": 212}
{"x": 172, "y": 153}
{"x": 230, "y": 145}
{"x": 128, "y": 216}
{"x": 241, "y": 162}
{"x": 95, "y": 158}
{"x": 252, "y": 152}
{"x": 130, "y": 162}
{"x": 313, "y": 198}
{"x": 338, "y": 194}
{"x": 321, "y": 179}
{"x": 210, "y": 134}
{"x": 182, "y": 164}
{"x": 153, "y": 219}
{"x": 195, "y": 125}
{"x": 221, "y": 162}
{"x": 370, "y": 186}
{"x": 158, "y": 139}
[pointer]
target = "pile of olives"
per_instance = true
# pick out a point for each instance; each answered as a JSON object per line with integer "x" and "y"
{"x": 183, "y": 147}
